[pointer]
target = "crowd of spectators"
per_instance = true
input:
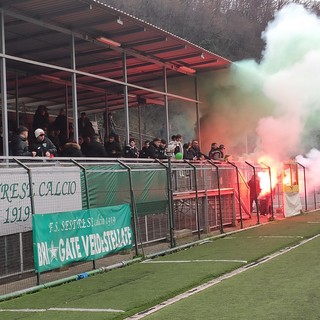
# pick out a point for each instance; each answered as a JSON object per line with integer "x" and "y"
{"x": 56, "y": 139}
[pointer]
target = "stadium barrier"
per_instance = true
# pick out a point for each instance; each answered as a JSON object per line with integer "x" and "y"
{"x": 172, "y": 202}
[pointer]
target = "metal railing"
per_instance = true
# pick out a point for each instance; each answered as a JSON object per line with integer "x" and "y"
{"x": 205, "y": 197}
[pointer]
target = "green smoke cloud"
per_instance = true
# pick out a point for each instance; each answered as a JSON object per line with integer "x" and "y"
{"x": 271, "y": 107}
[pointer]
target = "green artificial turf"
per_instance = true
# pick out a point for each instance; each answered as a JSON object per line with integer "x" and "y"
{"x": 142, "y": 285}
{"x": 286, "y": 287}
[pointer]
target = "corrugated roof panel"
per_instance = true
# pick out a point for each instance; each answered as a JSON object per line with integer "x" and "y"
{"x": 46, "y": 38}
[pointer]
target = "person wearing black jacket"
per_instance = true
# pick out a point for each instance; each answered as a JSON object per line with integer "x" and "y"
{"x": 85, "y": 127}
{"x": 163, "y": 149}
{"x": 41, "y": 118}
{"x": 71, "y": 149}
{"x": 154, "y": 149}
{"x": 113, "y": 148}
{"x": 19, "y": 145}
{"x": 95, "y": 148}
{"x": 61, "y": 125}
{"x": 194, "y": 152}
{"x": 144, "y": 151}
{"x": 43, "y": 146}
{"x": 131, "y": 151}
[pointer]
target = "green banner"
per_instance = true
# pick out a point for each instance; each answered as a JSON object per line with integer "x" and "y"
{"x": 62, "y": 238}
{"x": 149, "y": 187}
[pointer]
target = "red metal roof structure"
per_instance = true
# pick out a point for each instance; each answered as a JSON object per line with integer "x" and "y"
{"x": 85, "y": 54}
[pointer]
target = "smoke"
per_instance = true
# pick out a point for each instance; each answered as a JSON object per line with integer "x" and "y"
{"x": 312, "y": 162}
{"x": 291, "y": 64}
{"x": 271, "y": 107}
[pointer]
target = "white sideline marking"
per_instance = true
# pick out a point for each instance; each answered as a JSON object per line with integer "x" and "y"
{"x": 84, "y": 310}
{"x": 213, "y": 282}
{"x": 23, "y": 310}
{"x": 188, "y": 261}
{"x": 281, "y": 237}
{"x": 60, "y": 309}
{"x": 255, "y": 237}
{"x": 313, "y": 222}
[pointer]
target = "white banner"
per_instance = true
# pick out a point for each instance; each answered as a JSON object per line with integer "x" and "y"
{"x": 292, "y": 204}
{"x": 55, "y": 189}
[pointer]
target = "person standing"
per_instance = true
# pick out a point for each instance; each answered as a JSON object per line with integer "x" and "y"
{"x": 95, "y": 148}
{"x": 61, "y": 124}
{"x": 43, "y": 146}
{"x": 214, "y": 153}
{"x": 172, "y": 145}
{"x": 71, "y": 149}
{"x": 194, "y": 152}
{"x": 131, "y": 151}
{"x": 85, "y": 127}
{"x": 144, "y": 150}
{"x": 19, "y": 143}
{"x": 154, "y": 149}
{"x": 111, "y": 125}
{"x": 53, "y": 135}
{"x": 222, "y": 151}
{"x": 41, "y": 118}
{"x": 186, "y": 150}
{"x": 163, "y": 149}
{"x": 113, "y": 148}
{"x": 255, "y": 189}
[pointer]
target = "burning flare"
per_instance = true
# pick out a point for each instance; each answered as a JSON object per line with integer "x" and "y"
{"x": 264, "y": 177}
{"x": 287, "y": 178}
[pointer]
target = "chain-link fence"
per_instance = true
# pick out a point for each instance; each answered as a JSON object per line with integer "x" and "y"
{"x": 172, "y": 203}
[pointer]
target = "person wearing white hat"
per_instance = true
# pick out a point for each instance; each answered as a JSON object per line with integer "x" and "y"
{"x": 43, "y": 146}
